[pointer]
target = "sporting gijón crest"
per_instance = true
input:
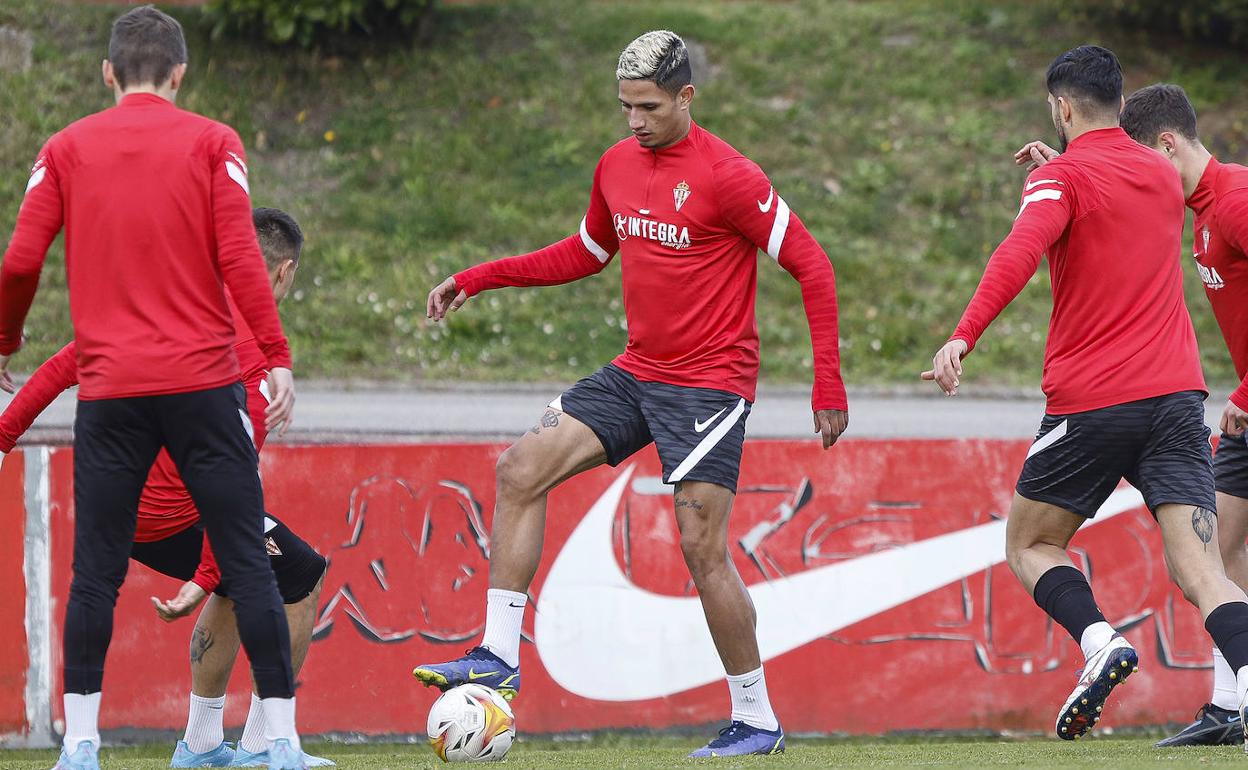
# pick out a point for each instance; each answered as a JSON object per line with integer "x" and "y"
{"x": 680, "y": 193}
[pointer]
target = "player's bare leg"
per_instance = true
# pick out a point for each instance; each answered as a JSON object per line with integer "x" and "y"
{"x": 702, "y": 513}
{"x": 214, "y": 649}
{"x": 552, "y": 451}
{"x": 555, "y": 449}
{"x": 1036, "y": 537}
{"x": 1194, "y": 557}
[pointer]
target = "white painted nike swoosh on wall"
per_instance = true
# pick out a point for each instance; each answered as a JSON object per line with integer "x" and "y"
{"x": 601, "y": 636}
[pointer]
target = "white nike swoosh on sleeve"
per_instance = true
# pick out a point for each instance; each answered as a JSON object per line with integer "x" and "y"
{"x": 765, "y": 207}
{"x": 589, "y": 611}
{"x": 1039, "y": 182}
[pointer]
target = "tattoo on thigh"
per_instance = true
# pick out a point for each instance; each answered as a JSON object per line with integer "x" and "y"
{"x": 550, "y": 419}
{"x": 684, "y": 502}
{"x": 201, "y": 641}
{"x": 1202, "y": 525}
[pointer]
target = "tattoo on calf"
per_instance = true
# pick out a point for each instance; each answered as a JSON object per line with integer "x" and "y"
{"x": 682, "y": 502}
{"x": 201, "y": 641}
{"x": 1202, "y": 525}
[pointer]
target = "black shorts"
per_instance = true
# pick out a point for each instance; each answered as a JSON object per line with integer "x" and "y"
{"x": 1230, "y": 466}
{"x": 699, "y": 432}
{"x": 297, "y": 565}
{"x": 1160, "y": 445}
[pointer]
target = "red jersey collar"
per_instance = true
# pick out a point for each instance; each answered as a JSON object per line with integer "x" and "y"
{"x": 1202, "y": 196}
{"x": 1098, "y": 136}
{"x": 142, "y": 99}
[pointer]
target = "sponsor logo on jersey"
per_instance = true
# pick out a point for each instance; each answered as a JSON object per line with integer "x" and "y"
{"x": 667, "y": 234}
{"x": 680, "y": 193}
{"x": 1209, "y": 275}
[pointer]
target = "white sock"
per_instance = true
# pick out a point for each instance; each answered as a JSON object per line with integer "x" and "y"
{"x": 750, "y": 703}
{"x": 279, "y": 721}
{"x": 253, "y": 740}
{"x": 1095, "y": 637}
{"x": 1225, "y": 695}
{"x": 504, "y": 613}
{"x": 205, "y": 728}
{"x": 82, "y": 720}
{"x": 1241, "y": 687}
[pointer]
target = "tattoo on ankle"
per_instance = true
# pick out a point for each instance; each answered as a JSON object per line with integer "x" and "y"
{"x": 682, "y": 502}
{"x": 201, "y": 641}
{"x": 1202, "y": 525}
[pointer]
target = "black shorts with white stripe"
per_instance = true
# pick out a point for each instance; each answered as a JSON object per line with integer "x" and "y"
{"x": 1160, "y": 445}
{"x": 699, "y": 432}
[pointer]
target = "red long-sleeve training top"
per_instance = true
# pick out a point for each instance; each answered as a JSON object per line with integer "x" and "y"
{"x": 1220, "y": 248}
{"x": 688, "y": 221}
{"x": 1109, "y": 214}
{"x": 157, "y": 216}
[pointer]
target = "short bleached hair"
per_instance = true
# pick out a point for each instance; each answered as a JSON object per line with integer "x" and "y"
{"x": 660, "y": 56}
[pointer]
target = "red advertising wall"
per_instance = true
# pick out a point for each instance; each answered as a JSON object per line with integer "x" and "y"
{"x": 13, "y": 649}
{"x": 877, "y": 570}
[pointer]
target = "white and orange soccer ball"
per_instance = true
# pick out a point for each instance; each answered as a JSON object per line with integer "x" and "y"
{"x": 471, "y": 723}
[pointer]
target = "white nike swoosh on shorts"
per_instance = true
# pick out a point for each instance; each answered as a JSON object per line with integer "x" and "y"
{"x": 589, "y": 611}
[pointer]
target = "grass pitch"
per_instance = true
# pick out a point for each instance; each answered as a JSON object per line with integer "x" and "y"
{"x": 662, "y": 752}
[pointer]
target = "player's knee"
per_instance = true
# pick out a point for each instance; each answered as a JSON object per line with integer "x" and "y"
{"x": 703, "y": 552}
{"x": 516, "y": 474}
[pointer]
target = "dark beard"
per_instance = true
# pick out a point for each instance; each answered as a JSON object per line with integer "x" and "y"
{"x": 1061, "y": 138}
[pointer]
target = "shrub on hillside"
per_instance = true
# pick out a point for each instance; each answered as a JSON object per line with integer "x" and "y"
{"x": 305, "y": 22}
{"x": 1218, "y": 21}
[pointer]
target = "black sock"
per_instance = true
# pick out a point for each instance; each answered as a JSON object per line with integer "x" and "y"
{"x": 1063, "y": 592}
{"x": 1228, "y": 625}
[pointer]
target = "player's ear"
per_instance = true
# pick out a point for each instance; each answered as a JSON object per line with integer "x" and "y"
{"x": 106, "y": 71}
{"x": 1167, "y": 143}
{"x": 685, "y": 96}
{"x": 175, "y": 78}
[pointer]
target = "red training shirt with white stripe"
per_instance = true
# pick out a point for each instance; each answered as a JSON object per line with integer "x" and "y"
{"x": 1220, "y": 248}
{"x": 1109, "y": 214}
{"x": 165, "y": 506}
{"x": 157, "y": 216}
{"x": 688, "y": 221}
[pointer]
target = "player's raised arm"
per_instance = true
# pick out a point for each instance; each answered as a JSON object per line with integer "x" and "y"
{"x": 571, "y": 259}
{"x": 1047, "y": 208}
{"x": 38, "y": 221}
{"x": 752, "y": 206}
{"x": 53, "y": 377}
{"x": 242, "y": 268}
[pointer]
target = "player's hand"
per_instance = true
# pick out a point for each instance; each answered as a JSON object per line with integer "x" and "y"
{"x": 190, "y": 595}
{"x": 445, "y": 297}
{"x": 281, "y": 409}
{"x": 1234, "y": 420}
{"x": 6, "y": 379}
{"x": 1033, "y": 155}
{"x": 831, "y": 423}
{"x": 947, "y": 366}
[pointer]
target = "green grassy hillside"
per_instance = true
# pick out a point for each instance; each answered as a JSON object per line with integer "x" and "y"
{"x": 888, "y": 126}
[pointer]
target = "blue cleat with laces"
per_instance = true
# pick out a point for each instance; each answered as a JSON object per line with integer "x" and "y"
{"x": 221, "y": 756}
{"x": 85, "y": 757}
{"x": 478, "y": 666}
{"x": 739, "y": 739}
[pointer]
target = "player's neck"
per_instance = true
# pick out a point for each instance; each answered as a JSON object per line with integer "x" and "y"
{"x": 679, "y": 137}
{"x": 165, "y": 92}
{"x": 1194, "y": 162}
{"x": 1080, "y": 127}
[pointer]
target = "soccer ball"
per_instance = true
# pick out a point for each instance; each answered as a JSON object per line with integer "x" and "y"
{"x": 471, "y": 723}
